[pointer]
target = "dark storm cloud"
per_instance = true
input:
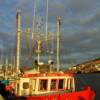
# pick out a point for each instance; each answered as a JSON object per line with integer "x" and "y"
{"x": 80, "y": 28}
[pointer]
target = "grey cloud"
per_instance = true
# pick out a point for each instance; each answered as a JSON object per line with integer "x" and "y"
{"x": 80, "y": 25}
{"x": 82, "y": 6}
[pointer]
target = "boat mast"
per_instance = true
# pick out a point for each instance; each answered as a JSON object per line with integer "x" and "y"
{"x": 14, "y": 64}
{"x": 11, "y": 62}
{"x": 58, "y": 42}
{"x": 50, "y": 48}
{"x": 50, "y": 43}
{"x": 47, "y": 22}
{"x": 33, "y": 21}
{"x": 46, "y": 32}
{"x": 18, "y": 25}
{"x": 38, "y": 40}
{"x": 6, "y": 68}
{"x": 1, "y": 59}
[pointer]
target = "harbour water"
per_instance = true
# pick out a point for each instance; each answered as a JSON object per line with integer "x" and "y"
{"x": 89, "y": 79}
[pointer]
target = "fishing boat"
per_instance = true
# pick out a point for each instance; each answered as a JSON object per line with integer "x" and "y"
{"x": 51, "y": 86}
{"x": 47, "y": 85}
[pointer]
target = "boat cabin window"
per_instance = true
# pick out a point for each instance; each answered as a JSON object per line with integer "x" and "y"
{"x": 25, "y": 85}
{"x": 69, "y": 83}
{"x": 61, "y": 84}
{"x": 53, "y": 84}
{"x": 34, "y": 84}
{"x": 43, "y": 84}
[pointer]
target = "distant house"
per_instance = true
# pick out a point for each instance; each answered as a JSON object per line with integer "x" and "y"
{"x": 1, "y": 66}
{"x": 89, "y": 66}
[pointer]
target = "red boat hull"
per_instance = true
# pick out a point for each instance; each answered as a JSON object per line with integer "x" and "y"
{"x": 87, "y": 94}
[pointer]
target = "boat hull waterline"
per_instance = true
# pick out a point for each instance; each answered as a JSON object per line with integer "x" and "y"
{"x": 87, "y": 94}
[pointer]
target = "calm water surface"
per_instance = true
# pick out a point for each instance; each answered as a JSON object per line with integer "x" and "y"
{"x": 89, "y": 79}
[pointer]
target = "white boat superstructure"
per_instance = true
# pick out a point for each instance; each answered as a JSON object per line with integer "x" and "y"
{"x": 39, "y": 84}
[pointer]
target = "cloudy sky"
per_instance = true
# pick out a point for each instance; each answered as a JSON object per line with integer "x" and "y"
{"x": 80, "y": 30}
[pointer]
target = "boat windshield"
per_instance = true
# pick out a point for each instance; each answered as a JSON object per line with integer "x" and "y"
{"x": 53, "y": 84}
{"x": 61, "y": 84}
{"x": 43, "y": 84}
{"x": 25, "y": 85}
